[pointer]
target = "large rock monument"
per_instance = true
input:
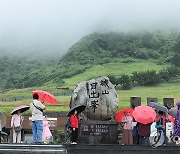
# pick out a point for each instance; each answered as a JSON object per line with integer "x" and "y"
{"x": 100, "y": 98}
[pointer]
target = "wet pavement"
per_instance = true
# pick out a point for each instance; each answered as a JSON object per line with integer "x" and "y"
{"x": 84, "y": 148}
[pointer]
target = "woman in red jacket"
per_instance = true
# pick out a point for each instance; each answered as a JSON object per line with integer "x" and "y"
{"x": 74, "y": 121}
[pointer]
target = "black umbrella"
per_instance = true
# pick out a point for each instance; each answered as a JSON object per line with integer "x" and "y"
{"x": 173, "y": 112}
{"x": 158, "y": 106}
{"x": 22, "y": 109}
{"x": 78, "y": 108}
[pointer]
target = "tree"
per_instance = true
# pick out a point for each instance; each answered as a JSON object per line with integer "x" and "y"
{"x": 175, "y": 60}
{"x": 176, "y": 47}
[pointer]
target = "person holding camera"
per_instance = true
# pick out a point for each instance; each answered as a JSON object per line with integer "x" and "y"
{"x": 37, "y": 109}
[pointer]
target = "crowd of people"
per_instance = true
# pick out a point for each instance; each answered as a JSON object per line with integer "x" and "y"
{"x": 142, "y": 132}
{"x": 138, "y": 131}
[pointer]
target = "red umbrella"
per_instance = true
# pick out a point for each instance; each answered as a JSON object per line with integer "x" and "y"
{"x": 22, "y": 108}
{"x": 144, "y": 114}
{"x": 45, "y": 96}
{"x": 172, "y": 119}
{"x": 120, "y": 114}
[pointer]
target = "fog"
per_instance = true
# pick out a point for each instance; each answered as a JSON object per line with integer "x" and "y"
{"x": 52, "y": 26}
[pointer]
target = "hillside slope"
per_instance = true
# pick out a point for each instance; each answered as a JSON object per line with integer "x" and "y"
{"x": 94, "y": 50}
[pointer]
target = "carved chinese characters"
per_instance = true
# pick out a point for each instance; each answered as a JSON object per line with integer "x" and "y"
{"x": 99, "y": 96}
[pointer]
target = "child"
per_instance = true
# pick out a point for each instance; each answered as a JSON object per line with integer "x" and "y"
{"x": 46, "y": 131}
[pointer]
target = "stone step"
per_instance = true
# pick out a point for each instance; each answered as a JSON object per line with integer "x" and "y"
{"x": 29, "y": 149}
{"x": 118, "y": 149}
{"x": 86, "y": 149}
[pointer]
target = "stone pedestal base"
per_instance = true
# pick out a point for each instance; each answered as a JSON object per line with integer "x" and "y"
{"x": 98, "y": 132}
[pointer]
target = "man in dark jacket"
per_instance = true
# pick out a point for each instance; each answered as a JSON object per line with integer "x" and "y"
{"x": 144, "y": 133}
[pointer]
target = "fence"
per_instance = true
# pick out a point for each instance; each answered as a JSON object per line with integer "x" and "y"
{"x": 16, "y": 98}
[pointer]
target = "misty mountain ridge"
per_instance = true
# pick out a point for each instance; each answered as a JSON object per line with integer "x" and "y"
{"x": 93, "y": 49}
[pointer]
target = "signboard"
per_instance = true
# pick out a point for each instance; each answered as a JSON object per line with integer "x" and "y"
{"x": 94, "y": 129}
{"x": 168, "y": 102}
{"x": 135, "y": 101}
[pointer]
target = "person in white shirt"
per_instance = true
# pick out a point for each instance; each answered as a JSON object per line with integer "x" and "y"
{"x": 37, "y": 119}
{"x": 16, "y": 122}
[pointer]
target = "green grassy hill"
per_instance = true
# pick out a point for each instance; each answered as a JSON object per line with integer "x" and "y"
{"x": 22, "y": 71}
{"x": 115, "y": 68}
{"x": 110, "y": 54}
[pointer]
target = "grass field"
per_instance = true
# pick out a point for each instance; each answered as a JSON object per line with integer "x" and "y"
{"x": 161, "y": 91}
{"x": 165, "y": 90}
{"x": 62, "y": 105}
{"x": 114, "y": 68}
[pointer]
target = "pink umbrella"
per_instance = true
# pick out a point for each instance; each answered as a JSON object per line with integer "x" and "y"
{"x": 45, "y": 96}
{"x": 144, "y": 114}
{"x": 21, "y": 108}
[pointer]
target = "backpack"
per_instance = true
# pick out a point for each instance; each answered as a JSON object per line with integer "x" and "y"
{"x": 159, "y": 125}
{"x": 68, "y": 124}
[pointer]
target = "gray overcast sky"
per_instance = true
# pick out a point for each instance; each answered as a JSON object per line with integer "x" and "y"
{"x": 54, "y": 25}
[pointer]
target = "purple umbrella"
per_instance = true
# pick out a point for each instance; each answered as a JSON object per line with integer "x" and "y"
{"x": 22, "y": 108}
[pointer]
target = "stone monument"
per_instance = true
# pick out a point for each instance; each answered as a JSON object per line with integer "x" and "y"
{"x": 135, "y": 101}
{"x": 97, "y": 124}
{"x": 168, "y": 102}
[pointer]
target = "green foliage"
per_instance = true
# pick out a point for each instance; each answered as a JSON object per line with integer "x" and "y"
{"x": 125, "y": 82}
{"x": 176, "y": 60}
{"x": 176, "y": 47}
{"x": 146, "y": 78}
{"x": 60, "y": 136}
{"x": 92, "y": 50}
{"x": 113, "y": 80}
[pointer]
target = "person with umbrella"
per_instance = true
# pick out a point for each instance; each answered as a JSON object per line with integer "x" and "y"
{"x": 161, "y": 121}
{"x": 176, "y": 133}
{"x": 144, "y": 133}
{"x": 74, "y": 122}
{"x": 16, "y": 124}
{"x": 144, "y": 115}
{"x": 127, "y": 137}
{"x": 37, "y": 109}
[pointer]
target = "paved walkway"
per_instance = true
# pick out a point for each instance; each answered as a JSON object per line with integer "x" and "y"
{"x": 85, "y": 149}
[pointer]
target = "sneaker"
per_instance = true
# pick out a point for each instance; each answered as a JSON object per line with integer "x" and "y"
{"x": 73, "y": 143}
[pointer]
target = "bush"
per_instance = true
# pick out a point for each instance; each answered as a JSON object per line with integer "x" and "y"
{"x": 60, "y": 136}
{"x": 146, "y": 78}
{"x": 164, "y": 75}
{"x": 113, "y": 80}
{"x": 125, "y": 82}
